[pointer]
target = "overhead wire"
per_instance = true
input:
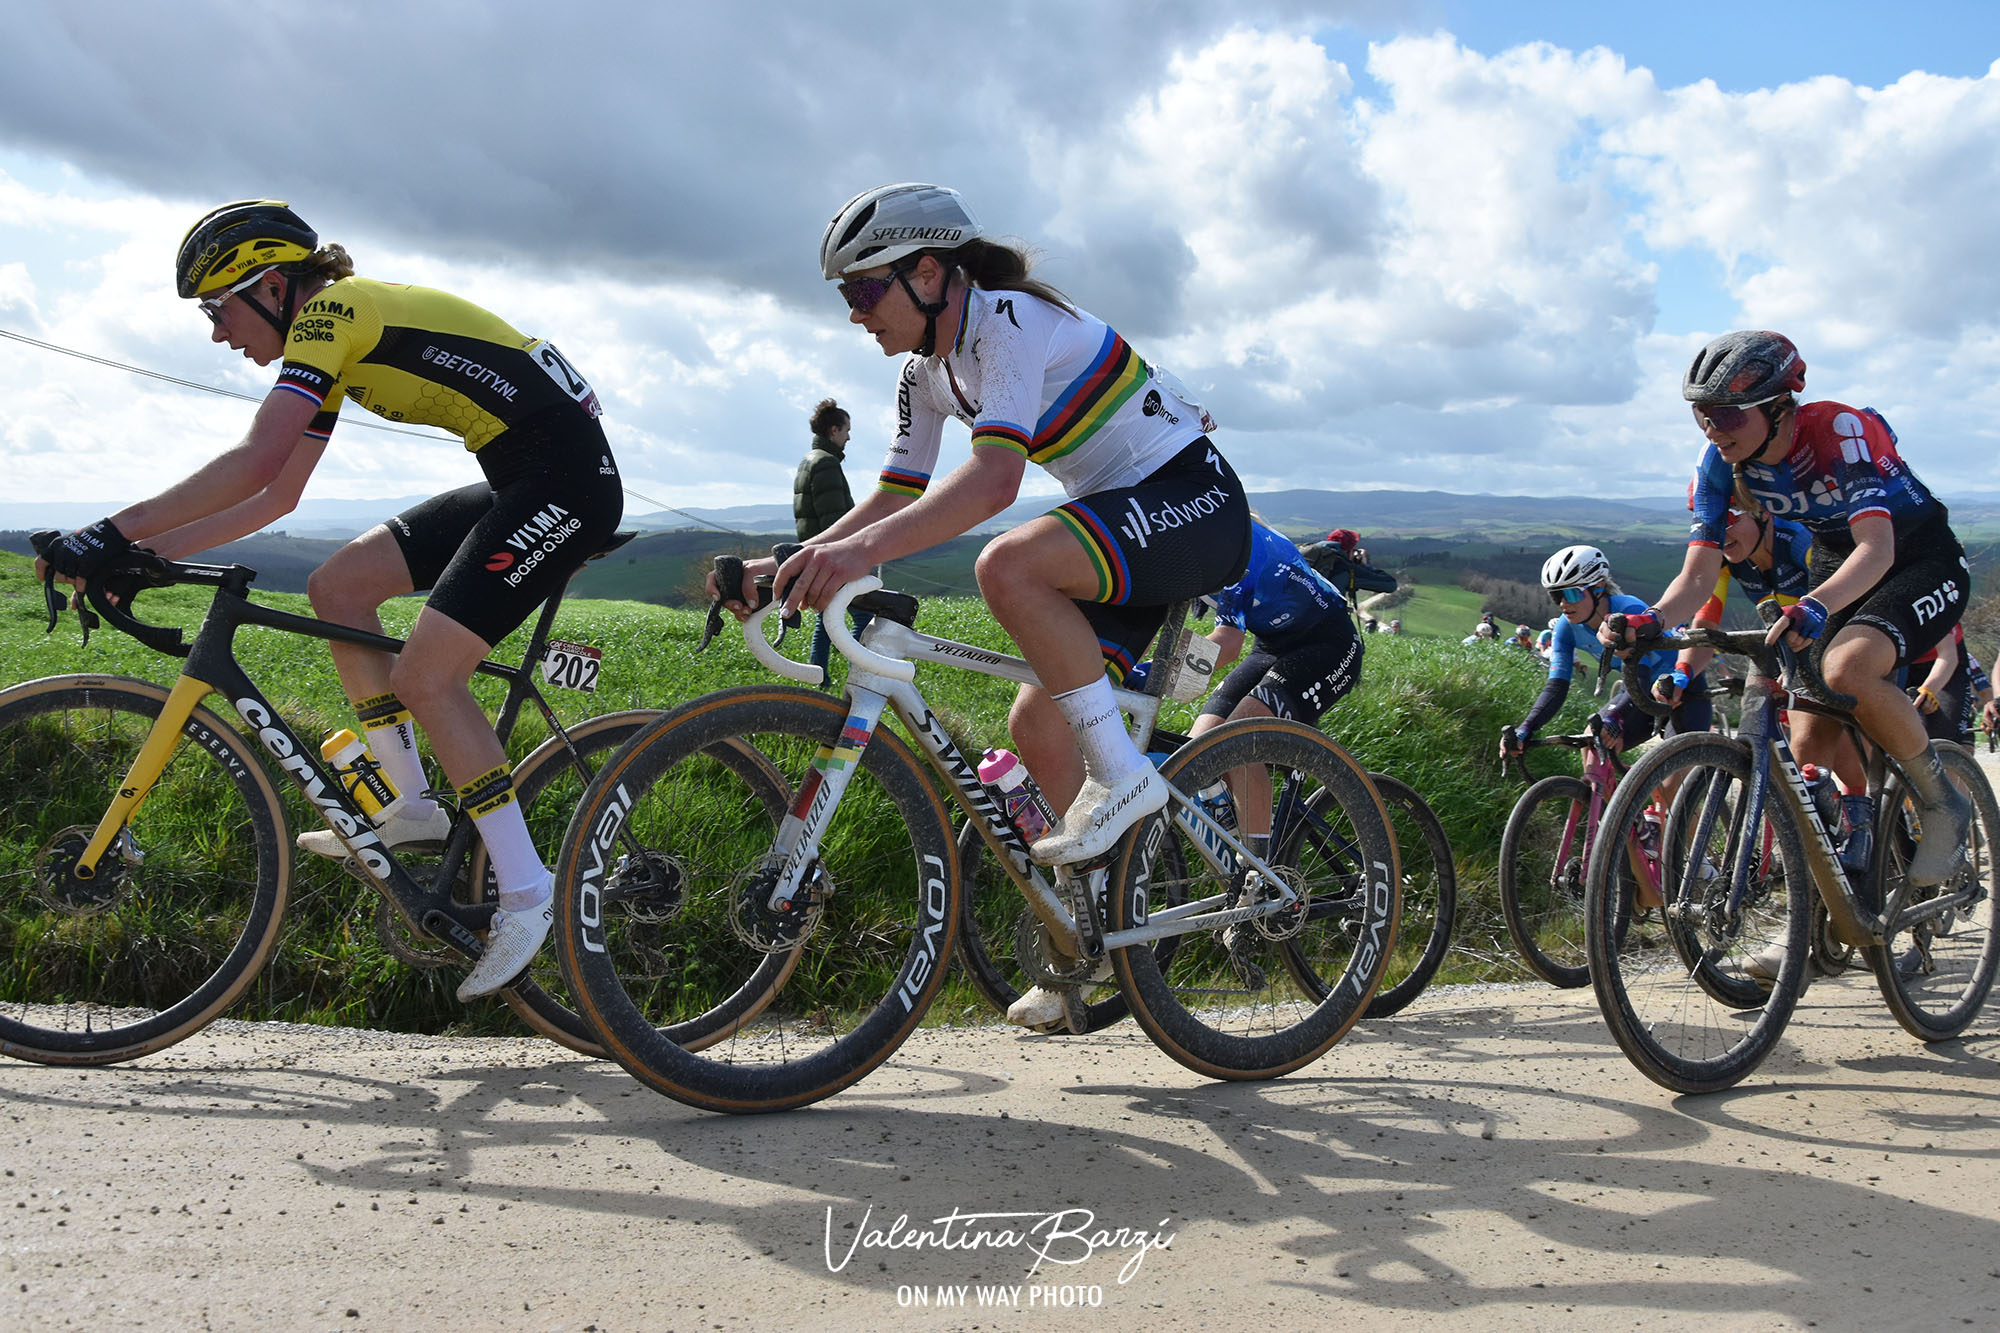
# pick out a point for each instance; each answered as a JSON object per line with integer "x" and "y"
{"x": 903, "y": 575}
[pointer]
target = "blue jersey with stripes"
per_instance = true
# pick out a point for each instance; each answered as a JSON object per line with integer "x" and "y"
{"x": 1280, "y": 596}
{"x": 1570, "y": 636}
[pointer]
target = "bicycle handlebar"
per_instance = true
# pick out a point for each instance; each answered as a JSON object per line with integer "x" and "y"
{"x": 1799, "y": 672}
{"x": 729, "y": 569}
{"x": 111, "y": 592}
{"x": 1518, "y": 759}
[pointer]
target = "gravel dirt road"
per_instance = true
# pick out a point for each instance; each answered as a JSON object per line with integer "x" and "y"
{"x": 1487, "y": 1160}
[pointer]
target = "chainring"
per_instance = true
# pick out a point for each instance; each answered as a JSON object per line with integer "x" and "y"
{"x": 1034, "y": 947}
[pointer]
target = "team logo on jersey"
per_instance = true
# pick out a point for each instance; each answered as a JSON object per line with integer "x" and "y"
{"x": 1853, "y": 438}
{"x": 1825, "y": 492}
{"x": 1154, "y": 407}
{"x": 500, "y": 560}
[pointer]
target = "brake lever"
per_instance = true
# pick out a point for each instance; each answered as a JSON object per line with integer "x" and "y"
{"x": 57, "y": 603}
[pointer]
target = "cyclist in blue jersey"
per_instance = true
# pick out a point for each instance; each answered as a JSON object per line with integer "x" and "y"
{"x": 1889, "y": 578}
{"x": 1307, "y": 654}
{"x": 1578, "y": 580}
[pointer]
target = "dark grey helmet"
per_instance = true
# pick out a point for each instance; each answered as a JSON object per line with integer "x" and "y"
{"x": 1744, "y": 368}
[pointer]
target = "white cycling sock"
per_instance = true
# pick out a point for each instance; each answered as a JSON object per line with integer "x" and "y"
{"x": 517, "y": 866}
{"x": 1092, "y": 713}
{"x": 392, "y": 739}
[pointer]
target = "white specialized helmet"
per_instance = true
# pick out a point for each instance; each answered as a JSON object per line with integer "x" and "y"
{"x": 882, "y": 225}
{"x": 1576, "y": 567}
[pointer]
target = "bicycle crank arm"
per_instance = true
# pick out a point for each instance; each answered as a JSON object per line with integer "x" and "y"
{"x": 440, "y": 926}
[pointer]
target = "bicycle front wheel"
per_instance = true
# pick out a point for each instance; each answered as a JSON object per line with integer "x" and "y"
{"x": 1543, "y": 855}
{"x": 184, "y": 907}
{"x": 671, "y": 824}
{"x": 1936, "y": 965}
{"x": 1263, "y": 997}
{"x": 1676, "y": 992}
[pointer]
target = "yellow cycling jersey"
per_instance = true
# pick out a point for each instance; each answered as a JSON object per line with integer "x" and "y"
{"x": 423, "y": 356}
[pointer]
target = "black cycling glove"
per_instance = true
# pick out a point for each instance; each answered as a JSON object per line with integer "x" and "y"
{"x": 86, "y": 551}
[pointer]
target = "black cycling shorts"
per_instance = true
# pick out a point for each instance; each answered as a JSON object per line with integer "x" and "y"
{"x": 1695, "y": 712}
{"x": 490, "y": 553}
{"x": 1918, "y": 600}
{"x": 1298, "y": 680}
{"x": 1181, "y": 533}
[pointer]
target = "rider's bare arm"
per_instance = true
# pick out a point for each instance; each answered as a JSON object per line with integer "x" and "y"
{"x": 262, "y": 468}
{"x": 1690, "y": 588}
{"x": 1874, "y": 553}
{"x": 1228, "y": 641}
{"x": 970, "y": 494}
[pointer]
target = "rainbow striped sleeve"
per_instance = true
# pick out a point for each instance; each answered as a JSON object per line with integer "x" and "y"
{"x": 897, "y": 481}
{"x": 1004, "y": 434}
{"x": 1113, "y": 376}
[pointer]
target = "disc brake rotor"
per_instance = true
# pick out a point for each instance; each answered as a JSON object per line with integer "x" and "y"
{"x": 58, "y": 885}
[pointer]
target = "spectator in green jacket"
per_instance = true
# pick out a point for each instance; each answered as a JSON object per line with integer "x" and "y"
{"x": 819, "y": 498}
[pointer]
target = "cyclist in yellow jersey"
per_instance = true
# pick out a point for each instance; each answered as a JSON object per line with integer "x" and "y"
{"x": 487, "y": 553}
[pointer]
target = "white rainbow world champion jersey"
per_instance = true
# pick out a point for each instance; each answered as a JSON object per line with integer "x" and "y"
{"x": 1062, "y": 390}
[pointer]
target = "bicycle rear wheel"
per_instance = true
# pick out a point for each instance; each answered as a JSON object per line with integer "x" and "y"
{"x": 1936, "y": 966}
{"x": 1663, "y": 1011}
{"x": 1543, "y": 854}
{"x": 871, "y": 940}
{"x": 1270, "y": 995}
{"x": 184, "y": 908}
{"x": 1429, "y": 897}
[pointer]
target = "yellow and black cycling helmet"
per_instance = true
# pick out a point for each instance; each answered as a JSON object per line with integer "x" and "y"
{"x": 237, "y": 240}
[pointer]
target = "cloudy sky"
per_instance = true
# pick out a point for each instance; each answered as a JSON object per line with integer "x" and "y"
{"x": 1421, "y": 245}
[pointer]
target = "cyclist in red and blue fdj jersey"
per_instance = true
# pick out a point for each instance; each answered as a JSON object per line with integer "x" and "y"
{"x": 1578, "y": 580}
{"x": 1888, "y": 576}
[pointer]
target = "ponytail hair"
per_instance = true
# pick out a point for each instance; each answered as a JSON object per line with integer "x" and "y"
{"x": 828, "y": 416}
{"x": 329, "y": 263}
{"x": 993, "y": 267}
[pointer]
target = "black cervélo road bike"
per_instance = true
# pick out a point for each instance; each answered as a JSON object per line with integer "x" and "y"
{"x": 145, "y": 862}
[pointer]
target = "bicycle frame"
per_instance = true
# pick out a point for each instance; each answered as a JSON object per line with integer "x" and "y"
{"x": 211, "y": 666}
{"x": 882, "y": 677}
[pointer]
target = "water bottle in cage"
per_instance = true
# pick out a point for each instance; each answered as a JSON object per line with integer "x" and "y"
{"x": 360, "y": 775}
{"x": 1825, "y": 795}
{"x": 1015, "y": 788}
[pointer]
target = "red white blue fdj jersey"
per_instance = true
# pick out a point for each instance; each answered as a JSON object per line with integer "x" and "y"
{"x": 1843, "y": 465}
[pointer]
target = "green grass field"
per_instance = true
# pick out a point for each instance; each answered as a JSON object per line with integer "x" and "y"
{"x": 1428, "y": 711}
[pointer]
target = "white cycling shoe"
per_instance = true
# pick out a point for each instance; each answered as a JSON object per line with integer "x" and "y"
{"x": 1038, "y": 1009}
{"x": 512, "y": 942}
{"x": 1100, "y": 816}
{"x": 1041, "y": 1009}
{"x": 397, "y": 831}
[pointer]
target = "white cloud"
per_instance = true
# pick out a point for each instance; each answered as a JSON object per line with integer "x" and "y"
{"x": 1446, "y": 281}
